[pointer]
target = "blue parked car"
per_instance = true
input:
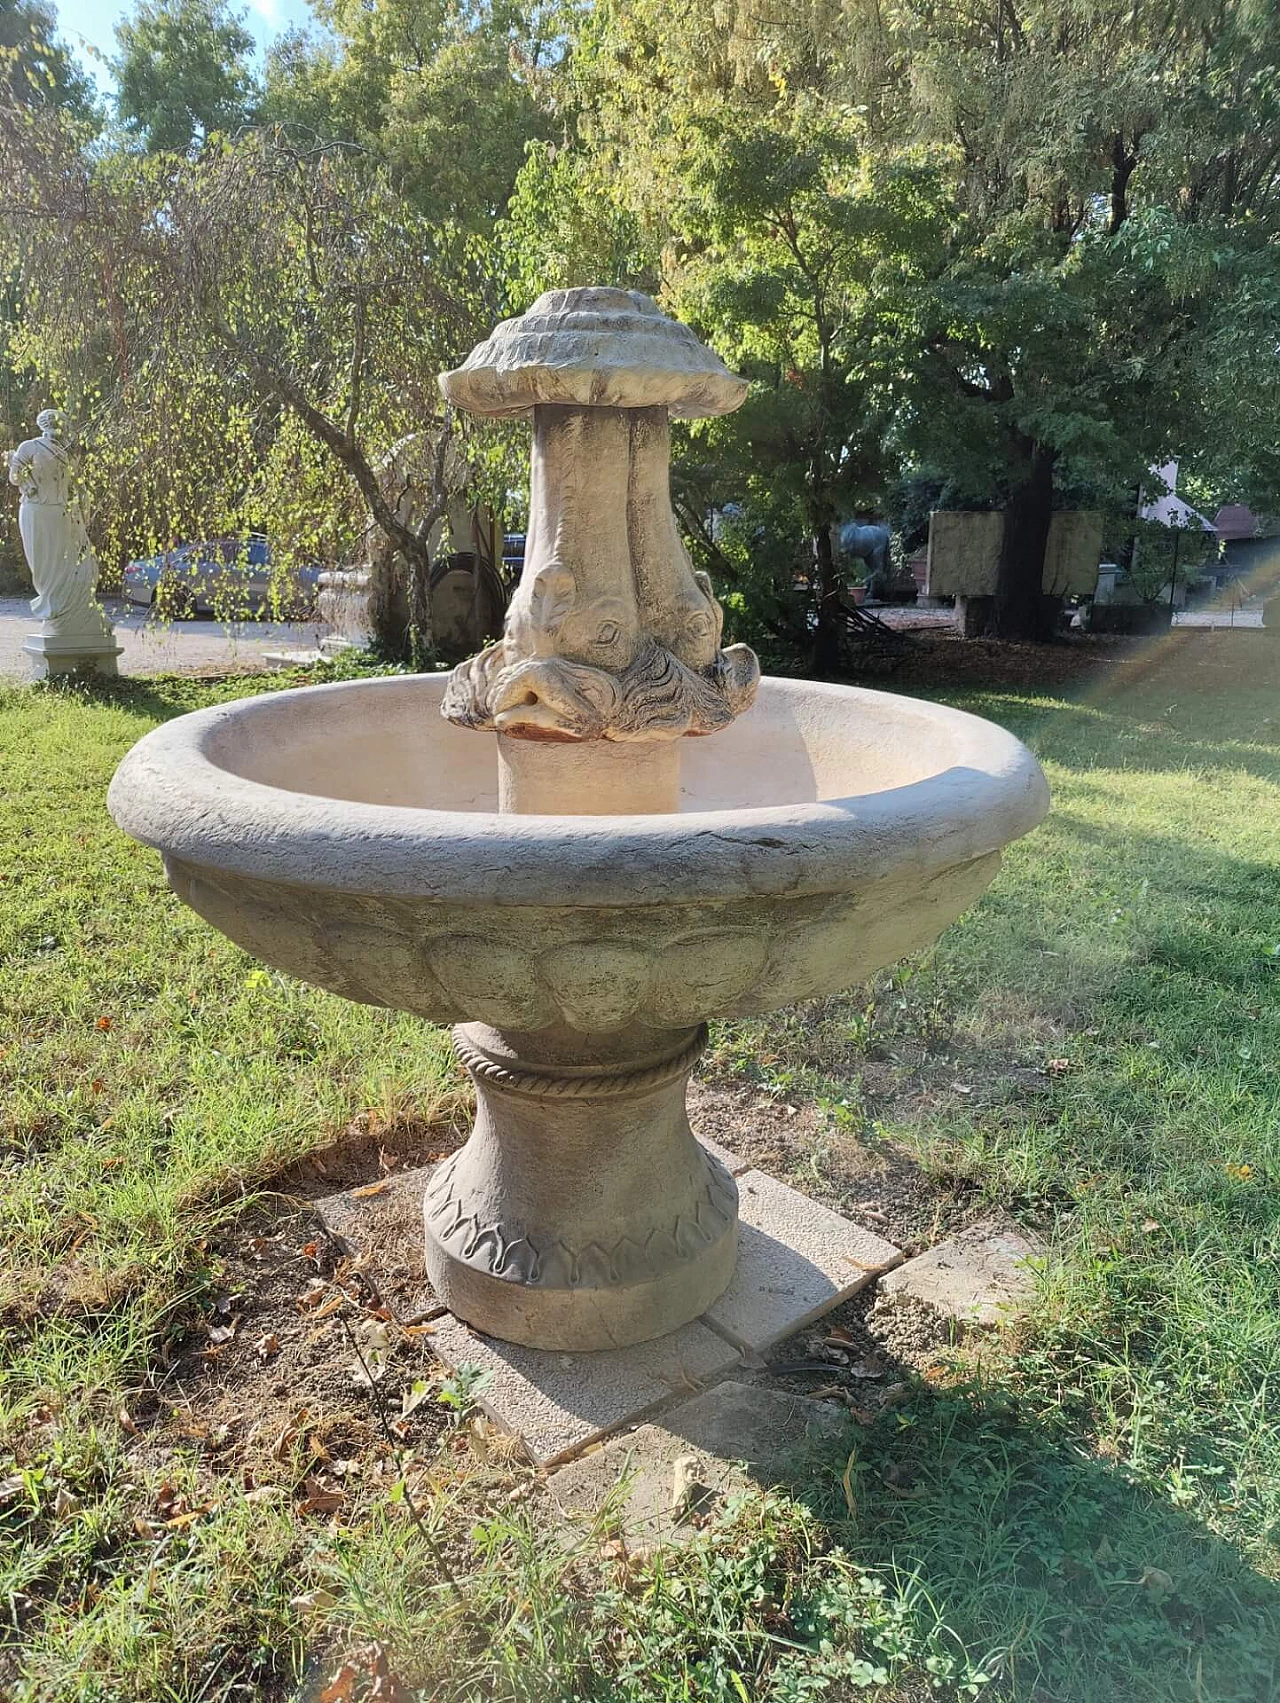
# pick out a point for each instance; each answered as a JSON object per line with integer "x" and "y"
{"x": 231, "y": 578}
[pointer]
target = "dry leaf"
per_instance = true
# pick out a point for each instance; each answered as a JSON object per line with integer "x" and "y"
{"x": 319, "y": 1598}
{"x": 289, "y": 1436}
{"x": 839, "y": 1338}
{"x": 830, "y": 1392}
{"x": 126, "y": 1422}
{"x": 873, "y": 1366}
{"x": 219, "y": 1334}
{"x": 846, "y": 1484}
{"x": 1151, "y": 1225}
{"x": 317, "y": 1498}
{"x": 341, "y": 1688}
{"x": 370, "y": 1189}
{"x": 314, "y": 1293}
{"x": 387, "y": 1161}
{"x": 414, "y": 1397}
{"x": 1058, "y": 1066}
{"x": 267, "y": 1345}
{"x": 180, "y": 1520}
{"x": 104, "y": 1023}
{"x": 11, "y": 1488}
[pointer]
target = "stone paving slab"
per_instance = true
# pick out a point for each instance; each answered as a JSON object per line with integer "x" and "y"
{"x": 732, "y": 1162}
{"x": 559, "y": 1403}
{"x": 973, "y": 1279}
{"x": 387, "y": 1227}
{"x": 722, "y": 1441}
{"x": 796, "y": 1261}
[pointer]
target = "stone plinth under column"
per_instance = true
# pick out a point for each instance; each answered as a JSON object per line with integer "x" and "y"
{"x": 581, "y": 1214}
{"x": 49, "y": 658}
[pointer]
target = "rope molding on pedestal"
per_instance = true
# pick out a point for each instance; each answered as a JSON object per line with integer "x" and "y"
{"x": 481, "y": 1068}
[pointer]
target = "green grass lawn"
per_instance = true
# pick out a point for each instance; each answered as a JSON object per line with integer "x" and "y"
{"x": 1092, "y": 1508}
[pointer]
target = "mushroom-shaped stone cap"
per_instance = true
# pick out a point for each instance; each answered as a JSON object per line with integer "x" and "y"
{"x": 594, "y": 348}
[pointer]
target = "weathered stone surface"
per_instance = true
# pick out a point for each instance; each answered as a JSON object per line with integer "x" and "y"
{"x": 974, "y": 1279}
{"x": 558, "y": 1403}
{"x": 796, "y": 1261}
{"x": 387, "y": 1228}
{"x": 734, "y": 1163}
{"x": 724, "y": 1440}
{"x": 352, "y": 836}
{"x": 611, "y": 634}
{"x": 556, "y": 1225}
{"x": 594, "y": 347}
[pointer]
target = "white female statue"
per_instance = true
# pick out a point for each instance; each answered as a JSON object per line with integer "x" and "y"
{"x": 76, "y": 634}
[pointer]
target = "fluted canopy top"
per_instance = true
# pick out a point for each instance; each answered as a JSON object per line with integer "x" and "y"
{"x": 594, "y": 348}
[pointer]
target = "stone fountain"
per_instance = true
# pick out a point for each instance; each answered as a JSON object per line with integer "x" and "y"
{"x": 594, "y": 836}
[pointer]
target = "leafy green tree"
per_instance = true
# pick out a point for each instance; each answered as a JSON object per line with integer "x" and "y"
{"x": 1116, "y": 194}
{"x": 1096, "y": 263}
{"x": 447, "y": 94}
{"x": 36, "y": 70}
{"x": 219, "y": 320}
{"x": 35, "y": 66}
{"x": 183, "y": 73}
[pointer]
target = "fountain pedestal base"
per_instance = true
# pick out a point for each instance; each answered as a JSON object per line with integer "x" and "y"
{"x": 581, "y": 1214}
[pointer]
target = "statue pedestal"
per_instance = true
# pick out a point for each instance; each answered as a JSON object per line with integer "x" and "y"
{"x": 51, "y": 654}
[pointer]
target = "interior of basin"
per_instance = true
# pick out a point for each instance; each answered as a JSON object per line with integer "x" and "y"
{"x": 385, "y": 742}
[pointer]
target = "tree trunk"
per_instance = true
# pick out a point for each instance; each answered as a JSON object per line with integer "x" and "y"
{"x": 826, "y": 640}
{"x": 1020, "y": 610}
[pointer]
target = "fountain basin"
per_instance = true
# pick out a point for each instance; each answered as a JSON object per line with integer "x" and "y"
{"x": 351, "y": 836}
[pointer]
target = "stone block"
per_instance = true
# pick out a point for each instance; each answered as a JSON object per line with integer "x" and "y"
{"x": 559, "y": 1402}
{"x": 48, "y": 659}
{"x": 732, "y": 1162}
{"x": 972, "y": 1280}
{"x": 796, "y": 1261}
{"x": 724, "y": 1440}
{"x": 386, "y": 1227}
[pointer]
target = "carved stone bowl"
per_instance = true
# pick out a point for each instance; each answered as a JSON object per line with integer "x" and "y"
{"x": 349, "y": 835}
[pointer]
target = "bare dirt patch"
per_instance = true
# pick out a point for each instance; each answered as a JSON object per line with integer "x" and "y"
{"x": 307, "y": 1366}
{"x": 873, "y": 1182}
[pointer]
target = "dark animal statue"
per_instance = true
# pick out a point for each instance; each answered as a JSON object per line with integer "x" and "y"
{"x": 870, "y": 545}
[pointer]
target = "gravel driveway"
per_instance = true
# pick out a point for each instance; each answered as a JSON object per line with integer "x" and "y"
{"x": 151, "y": 647}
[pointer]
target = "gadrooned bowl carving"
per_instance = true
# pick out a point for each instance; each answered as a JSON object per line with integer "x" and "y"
{"x": 348, "y": 835}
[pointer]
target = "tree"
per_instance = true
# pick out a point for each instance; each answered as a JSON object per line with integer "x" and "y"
{"x": 1116, "y": 183}
{"x": 212, "y": 294}
{"x": 35, "y": 66}
{"x": 183, "y": 73}
{"x": 447, "y": 94}
{"x": 1098, "y": 255}
{"x": 36, "y": 70}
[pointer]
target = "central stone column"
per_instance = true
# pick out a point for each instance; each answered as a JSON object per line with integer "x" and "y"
{"x": 582, "y": 1214}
